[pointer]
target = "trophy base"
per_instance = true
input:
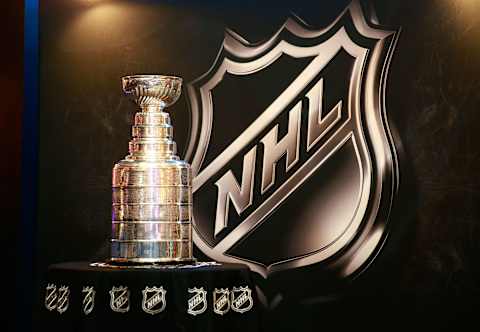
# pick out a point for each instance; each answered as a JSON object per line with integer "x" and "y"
{"x": 150, "y": 261}
{"x": 169, "y": 251}
{"x": 85, "y": 297}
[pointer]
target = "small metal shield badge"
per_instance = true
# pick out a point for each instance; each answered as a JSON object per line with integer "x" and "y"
{"x": 51, "y": 297}
{"x": 242, "y": 300}
{"x": 197, "y": 303}
{"x": 63, "y": 299}
{"x": 88, "y": 299}
{"x": 221, "y": 301}
{"x": 120, "y": 299}
{"x": 154, "y": 300}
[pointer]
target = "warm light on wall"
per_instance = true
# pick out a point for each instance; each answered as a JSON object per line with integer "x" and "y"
{"x": 462, "y": 16}
{"x": 106, "y": 24}
{"x": 464, "y": 9}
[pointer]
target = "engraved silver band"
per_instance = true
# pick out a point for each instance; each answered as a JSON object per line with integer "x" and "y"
{"x": 126, "y": 176}
{"x": 163, "y": 195}
{"x": 150, "y": 251}
{"x": 146, "y": 131}
{"x": 157, "y": 147}
{"x": 152, "y": 118}
{"x": 151, "y": 212}
{"x": 160, "y": 231}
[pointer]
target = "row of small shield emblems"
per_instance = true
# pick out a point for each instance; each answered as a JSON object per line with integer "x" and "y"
{"x": 57, "y": 299}
{"x": 154, "y": 299}
{"x": 239, "y": 299}
{"x": 153, "y": 302}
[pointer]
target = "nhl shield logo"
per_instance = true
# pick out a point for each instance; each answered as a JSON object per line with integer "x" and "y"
{"x": 197, "y": 303}
{"x": 221, "y": 301}
{"x": 63, "y": 299}
{"x": 51, "y": 297}
{"x": 88, "y": 302}
{"x": 290, "y": 145}
{"x": 242, "y": 300}
{"x": 120, "y": 299}
{"x": 154, "y": 300}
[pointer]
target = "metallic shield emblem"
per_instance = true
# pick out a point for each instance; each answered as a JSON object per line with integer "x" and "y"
{"x": 88, "y": 302}
{"x": 51, "y": 297}
{"x": 63, "y": 299}
{"x": 120, "y": 299}
{"x": 292, "y": 157}
{"x": 154, "y": 300}
{"x": 197, "y": 303}
{"x": 242, "y": 300}
{"x": 221, "y": 301}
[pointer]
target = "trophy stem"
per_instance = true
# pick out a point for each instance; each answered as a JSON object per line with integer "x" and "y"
{"x": 153, "y": 108}
{"x": 152, "y": 137}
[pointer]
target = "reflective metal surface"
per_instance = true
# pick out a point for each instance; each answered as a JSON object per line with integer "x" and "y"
{"x": 151, "y": 187}
{"x": 312, "y": 161}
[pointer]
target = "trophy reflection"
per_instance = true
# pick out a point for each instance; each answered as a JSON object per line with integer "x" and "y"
{"x": 152, "y": 191}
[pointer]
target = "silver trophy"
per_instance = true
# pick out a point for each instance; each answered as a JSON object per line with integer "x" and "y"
{"x": 152, "y": 187}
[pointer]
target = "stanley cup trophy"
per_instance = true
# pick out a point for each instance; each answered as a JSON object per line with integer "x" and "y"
{"x": 152, "y": 191}
{"x": 151, "y": 267}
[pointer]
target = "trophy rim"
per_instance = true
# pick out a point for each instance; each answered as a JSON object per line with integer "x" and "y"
{"x": 152, "y": 76}
{"x": 143, "y": 89}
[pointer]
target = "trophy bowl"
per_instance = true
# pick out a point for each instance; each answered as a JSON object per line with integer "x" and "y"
{"x": 152, "y": 91}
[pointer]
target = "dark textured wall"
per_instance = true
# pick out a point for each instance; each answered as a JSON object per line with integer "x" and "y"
{"x": 430, "y": 270}
{"x": 11, "y": 85}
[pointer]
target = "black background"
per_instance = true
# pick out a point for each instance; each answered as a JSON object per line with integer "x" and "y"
{"x": 427, "y": 277}
{"x": 11, "y": 85}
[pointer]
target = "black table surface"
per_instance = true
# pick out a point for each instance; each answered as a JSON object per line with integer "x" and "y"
{"x": 83, "y": 296}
